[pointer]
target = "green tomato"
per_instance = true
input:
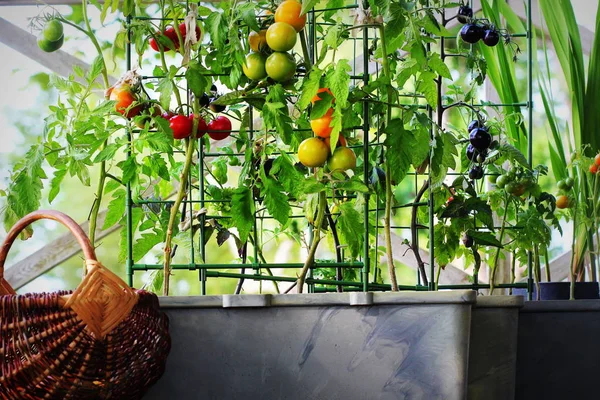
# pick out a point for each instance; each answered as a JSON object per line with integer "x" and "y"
{"x": 49, "y": 46}
{"x": 569, "y": 182}
{"x": 562, "y": 185}
{"x": 53, "y": 30}
{"x": 502, "y": 181}
{"x": 254, "y": 66}
{"x": 511, "y": 175}
{"x": 280, "y": 67}
{"x": 492, "y": 178}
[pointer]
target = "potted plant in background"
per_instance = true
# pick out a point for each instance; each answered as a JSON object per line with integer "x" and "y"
{"x": 558, "y": 339}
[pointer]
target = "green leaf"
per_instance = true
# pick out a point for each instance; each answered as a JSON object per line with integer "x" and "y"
{"x": 246, "y": 14}
{"x": 484, "y": 238}
{"x": 287, "y": 175}
{"x": 108, "y": 153}
{"x": 59, "y": 175}
{"x": 144, "y": 244}
{"x": 307, "y": 5}
{"x": 25, "y": 191}
{"x": 165, "y": 88}
{"x": 428, "y": 87}
{"x": 277, "y": 203}
{"x": 136, "y": 217}
{"x": 513, "y": 154}
{"x": 116, "y": 209}
{"x": 216, "y": 25}
{"x": 351, "y": 228}
{"x": 310, "y": 86}
{"x": 310, "y": 186}
{"x": 242, "y": 212}
{"x": 354, "y": 184}
{"x": 197, "y": 82}
{"x": 339, "y": 83}
{"x": 438, "y": 66}
{"x": 130, "y": 170}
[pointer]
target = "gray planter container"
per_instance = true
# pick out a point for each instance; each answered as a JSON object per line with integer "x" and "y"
{"x": 318, "y": 346}
{"x": 493, "y": 348}
{"x": 559, "y": 350}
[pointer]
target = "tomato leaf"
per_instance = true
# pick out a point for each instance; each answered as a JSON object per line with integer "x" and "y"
{"x": 351, "y": 227}
{"x": 136, "y": 217}
{"x": 242, "y": 212}
{"x": 216, "y": 25}
{"x": 116, "y": 209}
{"x": 197, "y": 81}
{"x": 438, "y": 66}
{"x": 287, "y": 175}
{"x": 484, "y": 238}
{"x": 339, "y": 82}
{"x": 307, "y": 5}
{"x": 59, "y": 175}
{"x": 277, "y": 203}
{"x": 310, "y": 86}
{"x": 397, "y": 153}
{"x": 144, "y": 244}
{"x": 355, "y": 184}
{"x": 428, "y": 87}
{"x": 25, "y": 191}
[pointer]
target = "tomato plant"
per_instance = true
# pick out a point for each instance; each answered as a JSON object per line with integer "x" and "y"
{"x": 292, "y": 94}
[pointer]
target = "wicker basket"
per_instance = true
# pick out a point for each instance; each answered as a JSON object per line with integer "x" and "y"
{"x": 102, "y": 341}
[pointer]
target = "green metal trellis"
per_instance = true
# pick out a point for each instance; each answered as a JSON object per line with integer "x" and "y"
{"x": 365, "y": 282}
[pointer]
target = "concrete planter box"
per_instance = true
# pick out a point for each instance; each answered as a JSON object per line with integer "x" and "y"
{"x": 318, "y": 346}
{"x": 559, "y": 350}
{"x": 493, "y": 348}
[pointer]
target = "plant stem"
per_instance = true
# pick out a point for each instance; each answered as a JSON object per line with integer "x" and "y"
{"x": 315, "y": 243}
{"x": 92, "y": 37}
{"x": 388, "y": 179}
{"x": 174, "y": 209}
{"x": 571, "y": 272}
{"x": 305, "y": 52}
{"x": 548, "y": 277}
{"x": 494, "y": 267}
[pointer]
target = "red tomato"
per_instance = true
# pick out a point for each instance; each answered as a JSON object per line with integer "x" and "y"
{"x": 219, "y": 128}
{"x": 181, "y": 126}
{"x": 153, "y": 44}
{"x": 202, "y": 126}
{"x": 183, "y": 31}
{"x": 597, "y": 159}
{"x": 593, "y": 169}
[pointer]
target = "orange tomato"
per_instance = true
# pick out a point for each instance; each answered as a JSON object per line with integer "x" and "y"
{"x": 289, "y": 12}
{"x": 317, "y": 97}
{"x": 124, "y": 97}
{"x": 562, "y": 201}
{"x": 594, "y": 169}
{"x": 597, "y": 159}
{"x": 321, "y": 126}
{"x": 258, "y": 40}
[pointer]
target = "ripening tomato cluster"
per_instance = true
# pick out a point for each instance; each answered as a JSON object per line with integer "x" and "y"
{"x": 270, "y": 46}
{"x": 129, "y": 105}
{"x": 477, "y": 150}
{"x": 169, "y": 39}
{"x": 596, "y": 165}
{"x": 52, "y": 37}
{"x": 473, "y": 31}
{"x": 316, "y": 151}
{"x": 182, "y": 126}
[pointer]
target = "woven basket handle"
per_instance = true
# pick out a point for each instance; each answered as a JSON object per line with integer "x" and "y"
{"x": 27, "y": 220}
{"x": 102, "y": 300}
